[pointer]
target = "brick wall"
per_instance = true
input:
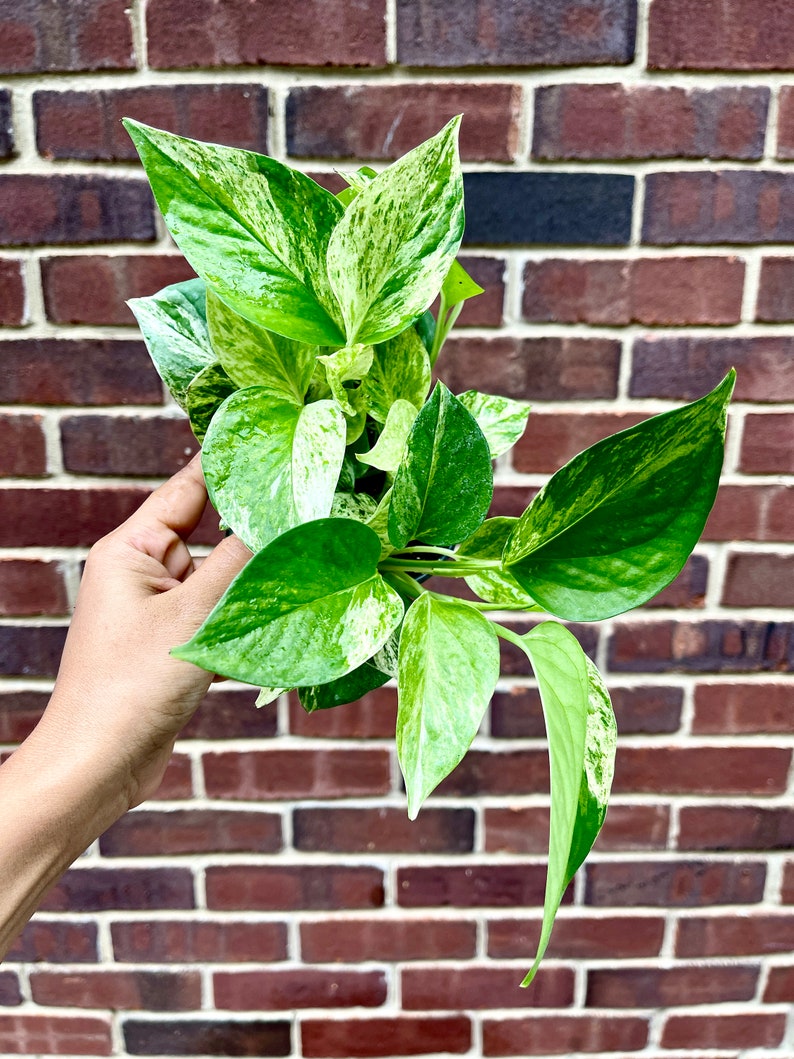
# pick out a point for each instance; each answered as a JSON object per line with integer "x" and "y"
{"x": 631, "y": 210}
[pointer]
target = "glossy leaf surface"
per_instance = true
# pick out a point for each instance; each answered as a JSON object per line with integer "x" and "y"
{"x": 307, "y": 609}
{"x": 615, "y": 525}
{"x": 387, "y": 451}
{"x": 400, "y": 371}
{"x": 448, "y": 669}
{"x": 346, "y": 365}
{"x": 501, "y": 419}
{"x": 205, "y": 395}
{"x": 494, "y": 586}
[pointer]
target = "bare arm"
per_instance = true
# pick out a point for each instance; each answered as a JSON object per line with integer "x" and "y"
{"x": 120, "y": 700}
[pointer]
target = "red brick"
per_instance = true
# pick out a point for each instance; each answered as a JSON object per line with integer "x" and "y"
{"x": 190, "y": 941}
{"x": 302, "y": 988}
{"x": 31, "y": 650}
{"x": 514, "y": 661}
{"x": 645, "y": 121}
{"x": 54, "y": 941}
{"x": 674, "y": 884}
{"x": 458, "y": 33}
{"x": 484, "y": 772}
{"x": 288, "y": 887}
{"x": 6, "y": 124}
{"x": 785, "y": 123}
{"x": 654, "y": 987}
{"x": 117, "y": 445}
{"x": 734, "y": 935}
{"x": 92, "y": 371}
{"x": 38, "y": 37}
{"x": 780, "y": 986}
{"x": 177, "y": 781}
{"x": 578, "y": 937}
{"x": 511, "y": 501}
{"x": 384, "y": 1037}
{"x": 74, "y": 208}
{"x": 720, "y": 35}
{"x": 54, "y": 1035}
{"x": 207, "y": 1036}
{"x": 726, "y": 206}
{"x": 128, "y": 990}
{"x": 526, "y": 830}
{"x": 688, "y": 590}
{"x": 88, "y": 124}
{"x": 701, "y": 770}
{"x": 23, "y": 447}
{"x": 13, "y": 301}
{"x": 751, "y": 1030}
{"x": 66, "y": 279}
{"x": 473, "y": 886}
{"x": 373, "y": 716}
{"x": 706, "y": 646}
{"x": 787, "y": 891}
{"x": 486, "y": 309}
{"x": 562, "y": 1035}
{"x": 517, "y": 714}
{"x": 63, "y": 517}
{"x": 736, "y": 827}
{"x": 738, "y": 708}
{"x": 759, "y": 579}
{"x": 20, "y": 712}
{"x": 775, "y": 299}
{"x": 669, "y": 291}
{"x": 647, "y": 709}
{"x": 754, "y": 513}
{"x": 481, "y": 988}
{"x": 191, "y": 33}
{"x": 768, "y": 443}
{"x": 564, "y": 290}
{"x": 32, "y": 586}
{"x": 145, "y": 889}
{"x": 541, "y": 369}
{"x": 386, "y": 121}
{"x": 10, "y": 993}
{"x": 383, "y": 830}
{"x": 272, "y": 774}
{"x": 151, "y": 833}
{"x": 229, "y": 713}
{"x": 387, "y": 940}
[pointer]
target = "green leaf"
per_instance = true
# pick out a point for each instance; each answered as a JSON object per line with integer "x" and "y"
{"x": 387, "y": 451}
{"x": 173, "y": 323}
{"x": 367, "y": 677}
{"x": 400, "y": 371}
{"x": 347, "y": 365}
{"x": 306, "y": 609}
{"x": 458, "y": 286}
{"x": 494, "y": 586}
{"x": 358, "y": 506}
{"x": 581, "y": 735}
{"x": 252, "y": 356}
{"x": 448, "y": 669}
{"x": 356, "y": 181}
{"x": 616, "y": 524}
{"x": 254, "y": 229}
{"x": 205, "y": 395}
{"x": 501, "y": 419}
{"x": 390, "y": 252}
{"x": 270, "y": 465}
{"x": 444, "y": 485}
{"x": 379, "y": 523}
{"x": 268, "y": 695}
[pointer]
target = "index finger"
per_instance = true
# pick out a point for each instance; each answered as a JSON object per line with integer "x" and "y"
{"x": 174, "y": 508}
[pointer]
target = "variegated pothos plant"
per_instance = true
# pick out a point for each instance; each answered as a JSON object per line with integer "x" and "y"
{"x": 303, "y": 356}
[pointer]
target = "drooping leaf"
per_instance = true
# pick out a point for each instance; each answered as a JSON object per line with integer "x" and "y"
{"x": 252, "y": 356}
{"x": 390, "y": 252}
{"x": 400, "y": 371}
{"x": 205, "y": 394}
{"x": 254, "y": 229}
{"x": 347, "y": 365}
{"x": 581, "y": 737}
{"x": 387, "y": 451}
{"x": 306, "y": 609}
{"x": 501, "y": 419}
{"x": 271, "y": 465}
{"x": 615, "y": 525}
{"x": 173, "y": 323}
{"x": 494, "y": 586}
{"x": 444, "y": 485}
{"x": 448, "y": 669}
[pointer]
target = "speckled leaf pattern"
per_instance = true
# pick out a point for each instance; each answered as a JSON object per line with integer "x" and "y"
{"x": 252, "y": 228}
{"x": 307, "y": 609}
{"x": 400, "y": 371}
{"x": 346, "y": 365}
{"x": 271, "y": 465}
{"x": 253, "y": 356}
{"x": 615, "y": 525}
{"x": 494, "y": 586}
{"x": 581, "y": 737}
{"x": 501, "y": 419}
{"x": 448, "y": 669}
{"x": 444, "y": 485}
{"x": 390, "y": 252}
{"x": 173, "y": 323}
{"x": 387, "y": 451}
{"x": 205, "y": 395}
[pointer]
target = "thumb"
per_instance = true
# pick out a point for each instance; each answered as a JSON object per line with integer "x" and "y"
{"x": 206, "y": 585}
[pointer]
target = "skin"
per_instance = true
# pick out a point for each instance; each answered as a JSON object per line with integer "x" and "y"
{"x": 119, "y": 701}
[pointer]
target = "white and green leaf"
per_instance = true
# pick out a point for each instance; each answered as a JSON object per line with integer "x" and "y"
{"x": 494, "y": 585}
{"x": 400, "y": 371}
{"x": 349, "y": 364}
{"x": 386, "y": 454}
{"x": 501, "y": 419}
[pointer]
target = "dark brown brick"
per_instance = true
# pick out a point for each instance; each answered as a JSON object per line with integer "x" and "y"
{"x": 526, "y": 830}
{"x": 151, "y": 833}
{"x": 230, "y": 713}
{"x": 74, "y": 208}
{"x": 670, "y": 291}
{"x": 481, "y": 988}
{"x": 20, "y": 712}
{"x": 93, "y": 371}
{"x": 563, "y": 290}
{"x": 272, "y": 774}
{"x": 395, "y": 941}
{"x": 578, "y": 937}
{"x": 743, "y": 707}
{"x": 23, "y": 448}
{"x": 384, "y": 1037}
{"x": 40, "y": 37}
{"x": 13, "y": 305}
{"x": 215, "y": 1036}
{"x": 514, "y": 661}
{"x": 785, "y": 123}
{"x": 647, "y": 709}
{"x": 736, "y": 827}
{"x": 31, "y": 650}
{"x": 562, "y": 1035}
{"x": 475, "y": 886}
{"x": 111, "y": 280}
{"x": 776, "y": 290}
{"x": 701, "y": 770}
{"x": 768, "y": 443}
{"x": 780, "y": 986}
{"x": 646, "y": 121}
{"x": 653, "y": 987}
{"x": 674, "y": 884}
{"x": 127, "y": 990}
{"x": 32, "y": 586}
{"x": 753, "y": 513}
{"x": 191, "y": 33}
{"x": 720, "y": 35}
{"x": 472, "y": 33}
{"x": 10, "y": 993}
{"x": 288, "y": 887}
{"x": 283, "y": 990}
{"x": 483, "y": 772}
{"x": 54, "y": 1034}
{"x": 54, "y": 941}
{"x": 731, "y": 935}
{"x": 136, "y": 445}
{"x": 702, "y": 647}
{"x": 88, "y": 124}
{"x": 97, "y": 889}
{"x": 6, "y": 122}
{"x": 63, "y": 517}
{"x": 373, "y": 716}
{"x": 751, "y": 1030}
{"x": 727, "y": 206}
{"x": 759, "y": 579}
{"x": 190, "y": 941}
{"x": 386, "y": 121}
{"x": 383, "y": 830}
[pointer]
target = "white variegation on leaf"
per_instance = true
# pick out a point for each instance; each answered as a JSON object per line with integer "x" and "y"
{"x": 387, "y": 451}
{"x": 349, "y": 364}
{"x": 501, "y": 419}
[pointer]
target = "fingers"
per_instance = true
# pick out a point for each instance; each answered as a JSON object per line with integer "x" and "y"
{"x": 177, "y": 505}
{"x": 214, "y": 574}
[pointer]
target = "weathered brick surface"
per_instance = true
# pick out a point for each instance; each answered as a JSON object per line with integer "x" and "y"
{"x": 180, "y": 941}
{"x": 273, "y": 774}
{"x": 284, "y": 990}
{"x": 741, "y": 827}
{"x": 768, "y": 444}
{"x": 394, "y": 940}
{"x": 288, "y": 887}
{"x": 578, "y": 937}
{"x": 23, "y": 447}
{"x": 55, "y": 1034}
{"x": 650, "y": 987}
{"x": 741, "y": 707}
{"x": 383, "y": 830}
{"x": 720, "y": 36}
{"x": 775, "y": 298}
{"x": 119, "y": 445}
{"x": 560, "y": 1035}
{"x": 744, "y": 935}
{"x": 134, "y": 990}
{"x": 480, "y": 988}
{"x": 32, "y": 586}
{"x": 150, "y": 833}
{"x": 39, "y": 37}
{"x": 13, "y": 307}
{"x": 680, "y": 884}
{"x": 755, "y": 1030}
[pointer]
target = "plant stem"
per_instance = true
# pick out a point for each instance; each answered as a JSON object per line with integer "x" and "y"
{"x": 460, "y": 569}
{"x": 404, "y": 583}
{"x": 418, "y": 549}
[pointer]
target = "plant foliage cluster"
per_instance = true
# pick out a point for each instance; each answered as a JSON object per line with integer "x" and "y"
{"x": 303, "y": 356}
